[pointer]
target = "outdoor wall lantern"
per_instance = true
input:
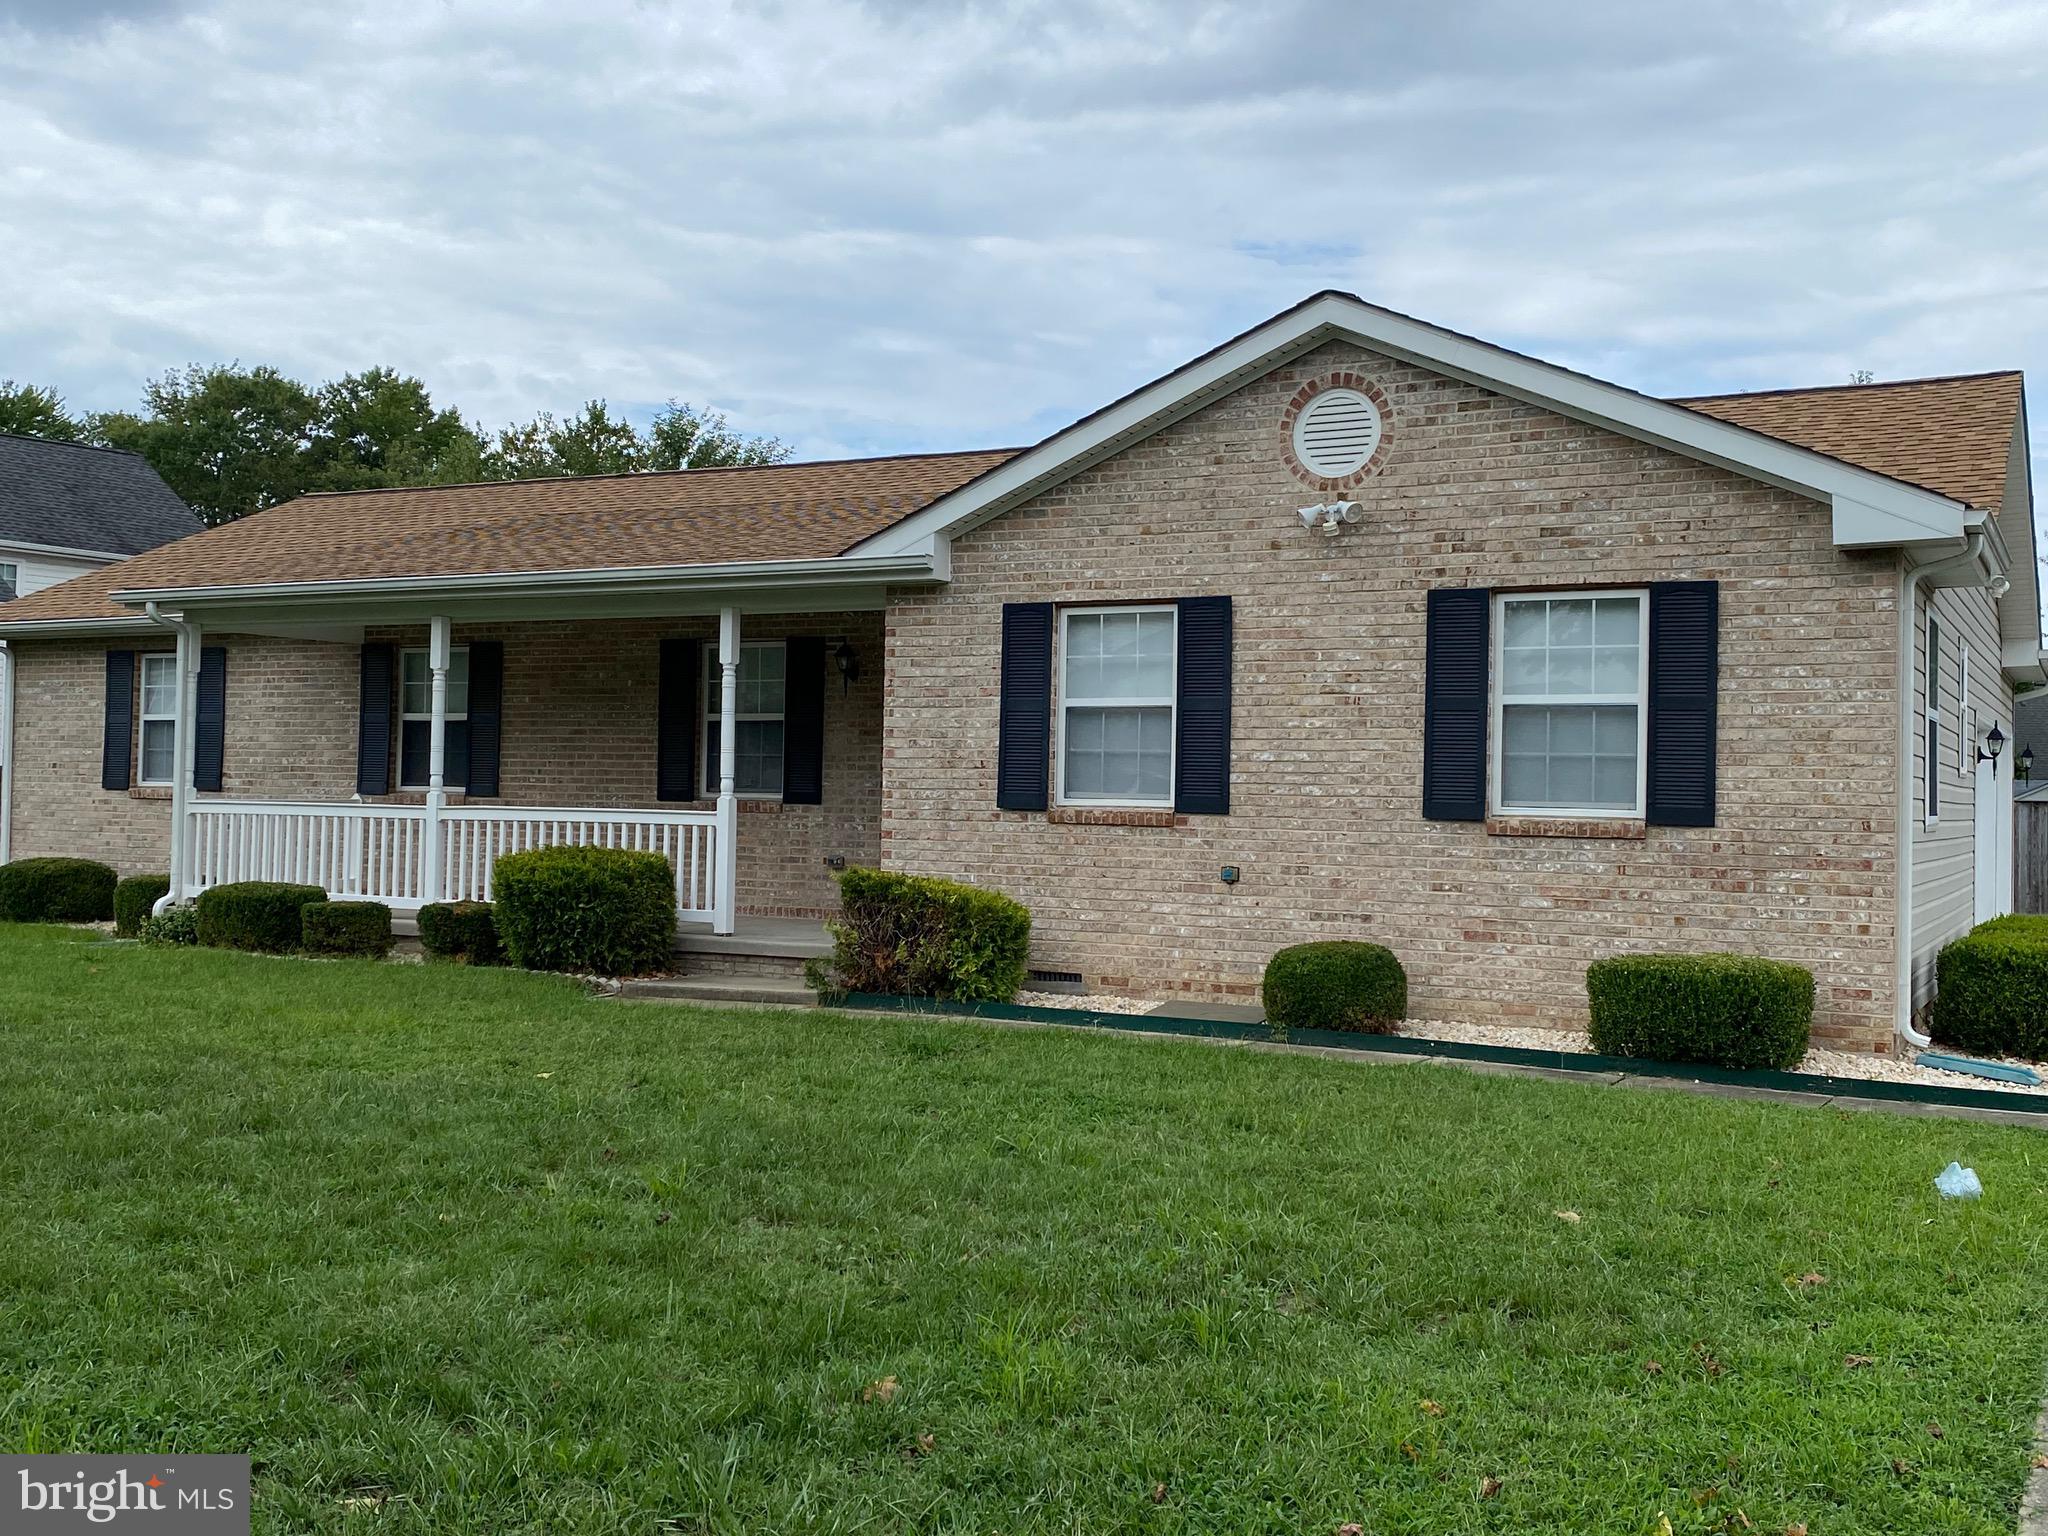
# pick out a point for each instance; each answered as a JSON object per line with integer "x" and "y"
{"x": 2026, "y": 762}
{"x": 849, "y": 664}
{"x": 1994, "y": 743}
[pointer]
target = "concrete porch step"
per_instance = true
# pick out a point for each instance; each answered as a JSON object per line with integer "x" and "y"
{"x": 785, "y": 991}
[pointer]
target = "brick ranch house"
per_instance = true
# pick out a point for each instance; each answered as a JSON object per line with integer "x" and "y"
{"x": 1352, "y": 627}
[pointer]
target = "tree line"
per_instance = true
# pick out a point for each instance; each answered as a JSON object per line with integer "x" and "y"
{"x": 232, "y": 440}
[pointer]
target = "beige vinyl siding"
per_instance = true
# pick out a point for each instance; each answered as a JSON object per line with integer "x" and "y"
{"x": 35, "y": 570}
{"x": 1945, "y": 855}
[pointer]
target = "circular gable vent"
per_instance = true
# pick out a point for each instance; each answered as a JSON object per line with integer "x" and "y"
{"x": 1336, "y": 433}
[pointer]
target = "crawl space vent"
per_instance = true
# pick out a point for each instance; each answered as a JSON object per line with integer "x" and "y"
{"x": 1336, "y": 433}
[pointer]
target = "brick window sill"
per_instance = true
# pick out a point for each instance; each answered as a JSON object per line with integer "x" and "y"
{"x": 1111, "y": 816}
{"x": 149, "y": 792}
{"x": 1563, "y": 826}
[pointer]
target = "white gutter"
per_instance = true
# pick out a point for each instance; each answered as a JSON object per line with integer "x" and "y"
{"x": 181, "y": 747}
{"x": 924, "y": 564}
{"x": 54, "y": 629}
{"x": 7, "y": 665}
{"x": 1966, "y": 569}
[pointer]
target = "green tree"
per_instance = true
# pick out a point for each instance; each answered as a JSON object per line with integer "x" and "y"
{"x": 683, "y": 437}
{"x": 381, "y": 428}
{"x": 595, "y": 442}
{"x": 32, "y": 410}
{"x": 229, "y": 440}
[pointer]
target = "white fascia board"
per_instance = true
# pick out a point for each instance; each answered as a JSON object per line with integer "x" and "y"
{"x": 2023, "y": 662}
{"x": 1869, "y": 509}
{"x": 52, "y": 629}
{"x": 737, "y": 578}
{"x": 63, "y": 551}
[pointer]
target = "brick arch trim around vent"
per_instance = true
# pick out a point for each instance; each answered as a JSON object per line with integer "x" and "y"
{"x": 1342, "y": 379}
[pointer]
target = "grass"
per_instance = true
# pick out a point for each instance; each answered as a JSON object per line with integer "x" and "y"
{"x": 456, "y": 1250}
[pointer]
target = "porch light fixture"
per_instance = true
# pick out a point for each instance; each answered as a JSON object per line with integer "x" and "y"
{"x": 849, "y": 664}
{"x": 1992, "y": 745}
{"x": 2026, "y": 762}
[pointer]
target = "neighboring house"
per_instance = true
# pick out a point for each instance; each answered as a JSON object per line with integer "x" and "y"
{"x": 1351, "y": 628}
{"x": 66, "y": 509}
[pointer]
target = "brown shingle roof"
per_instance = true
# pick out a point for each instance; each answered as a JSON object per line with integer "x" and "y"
{"x": 598, "y": 522}
{"x": 1949, "y": 435}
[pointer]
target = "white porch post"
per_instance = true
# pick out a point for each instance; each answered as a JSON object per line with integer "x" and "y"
{"x": 184, "y": 756}
{"x": 722, "y": 921}
{"x": 437, "y": 760}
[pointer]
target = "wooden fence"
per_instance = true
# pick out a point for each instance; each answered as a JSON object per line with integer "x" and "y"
{"x": 2030, "y": 855}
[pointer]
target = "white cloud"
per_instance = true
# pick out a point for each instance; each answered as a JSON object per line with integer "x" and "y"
{"x": 906, "y": 225}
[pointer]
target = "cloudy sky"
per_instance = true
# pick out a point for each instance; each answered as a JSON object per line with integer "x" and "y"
{"x": 869, "y": 228}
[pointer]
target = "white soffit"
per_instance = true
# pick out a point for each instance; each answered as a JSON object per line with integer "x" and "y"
{"x": 1870, "y": 510}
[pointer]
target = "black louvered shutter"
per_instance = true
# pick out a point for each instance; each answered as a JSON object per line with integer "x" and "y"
{"x": 803, "y": 721}
{"x": 486, "y": 717}
{"x": 210, "y": 719}
{"x": 1024, "y": 713}
{"x": 375, "y": 699}
{"x": 1685, "y": 675}
{"x": 1454, "y": 704}
{"x": 675, "y": 722}
{"x": 1201, "y": 785}
{"x": 117, "y": 743}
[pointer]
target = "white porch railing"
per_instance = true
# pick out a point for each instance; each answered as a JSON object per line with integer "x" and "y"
{"x": 378, "y": 852}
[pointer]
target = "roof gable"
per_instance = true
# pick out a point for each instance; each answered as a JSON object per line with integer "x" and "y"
{"x": 1870, "y": 508}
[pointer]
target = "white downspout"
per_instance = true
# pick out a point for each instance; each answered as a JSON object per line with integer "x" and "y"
{"x": 7, "y": 665}
{"x": 182, "y": 743}
{"x": 1912, "y": 716}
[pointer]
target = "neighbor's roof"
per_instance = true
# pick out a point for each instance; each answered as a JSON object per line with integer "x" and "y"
{"x": 71, "y": 496}
{"x": 1952, "y": 435}
{"x": 594, "y": 522}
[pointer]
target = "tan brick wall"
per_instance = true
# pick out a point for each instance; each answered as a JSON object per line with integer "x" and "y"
{"x": 579, "y": 730}
{"x": 1326, "y": 825}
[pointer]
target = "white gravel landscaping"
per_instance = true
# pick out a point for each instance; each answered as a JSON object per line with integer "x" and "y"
{"x": 1894, "y": 1069}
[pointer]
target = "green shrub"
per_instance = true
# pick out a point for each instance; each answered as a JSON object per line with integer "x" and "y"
{"x": 346, "y": 928}
{"x": 1992, "y": 989}
{"x": 56, "y": 891}
{"x": 133, "y": 898}
{"x": 1723, "y": 1010}
{"x": 171, "y": 928}
{"x": 1339, "y": 984}
{"x": 914, "y": 936}
{"x": 463, "y": 931}
{"x": 592, "y": 911}
{"x": 256, "y": 914}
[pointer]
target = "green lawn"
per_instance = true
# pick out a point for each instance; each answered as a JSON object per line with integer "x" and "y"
{"x": 469, "y": 1251}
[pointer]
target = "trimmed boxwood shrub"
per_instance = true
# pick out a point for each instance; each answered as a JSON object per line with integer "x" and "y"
{"x": 262, "y": 915}
{"x": 56, "y": 891}
{"x": 133, "y": 898}
{"x": 463, "y": 931}
{"x": 1337, "y": 984}
{"x": 915, "y": 936}
{"x": 1992, "y": 989}
{"x": 1724, "y": 1010}
{"x": 593, "y": 911}
{"x": 171, "y": 928}
{"x": 346, "y": 928}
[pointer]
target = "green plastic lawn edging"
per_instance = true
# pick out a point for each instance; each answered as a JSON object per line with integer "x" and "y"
{"x": 1410, "y": 1045}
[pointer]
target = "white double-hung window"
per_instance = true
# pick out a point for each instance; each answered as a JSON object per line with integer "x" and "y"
{"x": 1116, "y": 705}
{"x": 416, "y": 720}
{"x": 757, "y": 725}
{"x": 1569, "y": 708}
{"x": 157, "y": 757}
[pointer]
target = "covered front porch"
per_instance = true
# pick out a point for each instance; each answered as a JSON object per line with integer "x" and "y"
{"x": 635, "y": 730}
